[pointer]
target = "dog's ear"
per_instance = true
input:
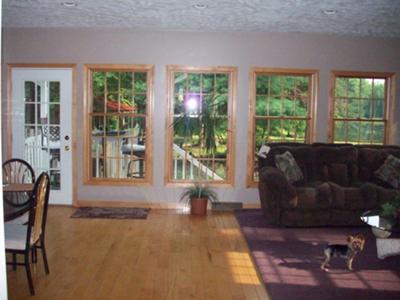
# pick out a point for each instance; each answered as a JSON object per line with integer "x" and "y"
{"x": 350, "y": 238}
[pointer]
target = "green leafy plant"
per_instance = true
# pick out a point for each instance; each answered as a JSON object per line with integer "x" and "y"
{"x": 391, "y": 210}
{"x": 199, "y": 190}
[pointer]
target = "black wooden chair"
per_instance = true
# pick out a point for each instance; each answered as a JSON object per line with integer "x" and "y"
{"x": 22, "y": 239}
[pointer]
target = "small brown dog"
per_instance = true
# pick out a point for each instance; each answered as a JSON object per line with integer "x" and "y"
{"x": 348, "y": 252}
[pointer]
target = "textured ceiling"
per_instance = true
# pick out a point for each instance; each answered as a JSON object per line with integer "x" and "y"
{"x": 380, "y": 18}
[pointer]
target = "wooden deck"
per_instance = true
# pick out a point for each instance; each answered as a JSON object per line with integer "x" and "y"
{"x": 170, "y": 255}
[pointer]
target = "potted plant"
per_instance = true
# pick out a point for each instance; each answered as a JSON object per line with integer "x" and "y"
{"x": 391, "y": 210}
{"x": 198, "y": 196}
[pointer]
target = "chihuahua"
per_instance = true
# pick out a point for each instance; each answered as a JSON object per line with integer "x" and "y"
{"x": 348, "y": 252}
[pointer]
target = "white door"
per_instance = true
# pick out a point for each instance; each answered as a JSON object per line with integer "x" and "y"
{"x": 41, "y": 125}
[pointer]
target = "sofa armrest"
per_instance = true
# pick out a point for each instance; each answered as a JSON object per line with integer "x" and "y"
{"x": 275, "y": 190}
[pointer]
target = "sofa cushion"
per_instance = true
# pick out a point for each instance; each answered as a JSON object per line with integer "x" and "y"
{"x": 339, "y": 173}
{"x": 389, "y": 171}
{"x": 370, "y": 159}
{"x": 314, "y": 198}
{"x": 337, "y": 164}
{"x": 287, "y": 164}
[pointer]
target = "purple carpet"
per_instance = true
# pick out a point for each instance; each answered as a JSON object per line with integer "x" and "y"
{"x": 288, "y": 261}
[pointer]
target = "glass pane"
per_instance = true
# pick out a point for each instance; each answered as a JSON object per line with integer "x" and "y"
{"x": 275, "y": 107}
{"x": 55, "y": 180}
{"x": 302, "y": 86}
{"x": 112, "y": 82}
{"x": 126, "y": 93}
{"x": 353, "y": 108}
{"x": 288, "y": 107}
{"x": 366, "y": 109}
{"x": 353, "y": 131}
{"x": 261, "y": 105}
{"x": 98, "y": 125}
{"x": 378, "y": 133}
{"x": 354, "y": 87}
{"x": 112, "y": 102}
{"x": 140, "y": 82}
{"x": 341, "y": 87}
{"x": 288, "y": 87}
{"x": 134, "y": 166}
{"x": 222, "y": 83}
{"x": 378, "y": 109}
{"x": 340, "y": 128}
{"x": 300, "y": 106}
{"x": 262, "y": 82}
{"x": 276, "y": 87}
{"x": 275, "y": 131}
{"x": 29, "y": 91}
{"x": 340, "y": 108}
{"x": 208, "y": 83}
{"x": 98, "y": 85}
{"x": 379, "y": 89}
{"x": 366, "y": 88}
{"x": 30, "y": 113}
{"x": 54, "y": 91}
{"x": 261, "y": 136}
{"x": 112, "y": 168}
{"x": 97, "y": 146}
{"x": 98, "y": 167}
{"x": 180, "y": 82}
{"x": 178, "y": 105}
{"x": 55, "y": 161}
{"x": 140, "y": 104}
{"x": 194, "y": 82}
{"x": 220, "y": 170}
{"x": 112, "y": 125}
{"x": 365, "y": 132}
{"x": 54, "y": 113}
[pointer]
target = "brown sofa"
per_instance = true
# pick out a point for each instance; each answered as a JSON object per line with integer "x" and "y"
{"x": 338, "y": 185}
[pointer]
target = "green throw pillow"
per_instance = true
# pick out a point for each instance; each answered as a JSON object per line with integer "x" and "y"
{"x": 287, "y": 164}
{"x": 390, "y": 171}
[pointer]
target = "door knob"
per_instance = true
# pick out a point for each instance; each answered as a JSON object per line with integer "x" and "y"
{"x": 66, "y": 137}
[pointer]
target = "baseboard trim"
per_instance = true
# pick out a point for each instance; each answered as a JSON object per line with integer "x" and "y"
{"x": 153, "y": 205}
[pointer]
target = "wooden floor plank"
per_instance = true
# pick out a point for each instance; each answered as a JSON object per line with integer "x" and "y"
{"x": 171, "y": 255}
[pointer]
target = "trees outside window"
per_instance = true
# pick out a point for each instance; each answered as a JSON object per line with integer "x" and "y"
{"x": 281, "y": 110}
{"x": 199, "y": 127}
{"x": 119, "y": 104}
{"x": 359, "y": 107}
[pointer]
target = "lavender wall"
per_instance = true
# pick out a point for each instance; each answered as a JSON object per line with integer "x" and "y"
{"x": 244, "y": 50}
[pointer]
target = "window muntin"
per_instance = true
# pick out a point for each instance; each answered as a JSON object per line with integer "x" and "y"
{"x": 119, "y": 124}
{"x": 359, "y": 109}
{"x": 200, "y": 122}
{"x": 282, "y": 108}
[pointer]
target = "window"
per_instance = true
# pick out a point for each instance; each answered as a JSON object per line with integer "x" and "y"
{"x": 281, "y": 110}
{"x": 118, "y": 109}
{"x": 359, "y": 107}
{"x": 199, "y": 127}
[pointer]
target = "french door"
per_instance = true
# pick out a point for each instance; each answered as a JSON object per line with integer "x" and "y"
{"x": 41, "y": 125}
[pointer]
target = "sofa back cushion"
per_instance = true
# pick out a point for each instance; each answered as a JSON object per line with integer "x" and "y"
{"x": 336, "y": 164}
{"x": 370, "y": 159}
{"x": 303, "y": 154}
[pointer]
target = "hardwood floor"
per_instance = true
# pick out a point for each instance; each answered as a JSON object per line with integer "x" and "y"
{"x": 168, "y": 256}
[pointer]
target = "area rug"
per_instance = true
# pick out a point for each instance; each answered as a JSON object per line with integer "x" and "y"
{"x": 288, "y": 261}
{"x": 111, "y": 213}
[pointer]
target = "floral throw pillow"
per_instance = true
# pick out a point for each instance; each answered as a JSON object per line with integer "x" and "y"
{"x": 288, "y": 165}
{"x": 390, "y": 171}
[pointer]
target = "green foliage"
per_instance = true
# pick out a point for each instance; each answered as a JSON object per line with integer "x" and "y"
{"x": 391, "y": 209}
{"x": 199, "y": 190}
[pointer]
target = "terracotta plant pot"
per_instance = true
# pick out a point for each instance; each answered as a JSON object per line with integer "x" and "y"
{"x": 198, "y": 206}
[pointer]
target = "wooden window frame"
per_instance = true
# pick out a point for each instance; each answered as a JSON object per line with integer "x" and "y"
{"x": 310, "y": 134}
{"x": 388, "y": 99}
{"x": 148, "y": 177}
{"x": 230, "y": 160}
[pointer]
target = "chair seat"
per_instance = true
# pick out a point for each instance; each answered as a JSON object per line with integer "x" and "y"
{"x": 15, "y": 236}
{"x": 20, "y": 220}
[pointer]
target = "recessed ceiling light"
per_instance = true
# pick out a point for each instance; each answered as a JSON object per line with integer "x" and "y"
{"x": 200, "y": 6}
{"x": 69, "y": 4}
{"x": 329, "y": 12}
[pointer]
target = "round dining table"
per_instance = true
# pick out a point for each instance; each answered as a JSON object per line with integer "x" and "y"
{"x": 13, "y": 210}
